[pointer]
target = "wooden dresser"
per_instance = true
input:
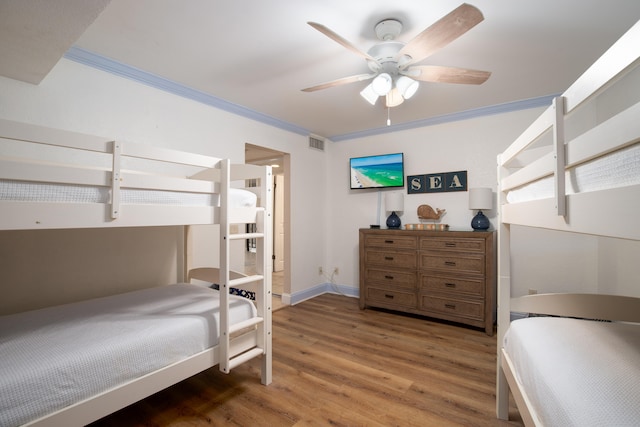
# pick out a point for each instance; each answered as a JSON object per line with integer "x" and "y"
{"x": 448, "y": 275}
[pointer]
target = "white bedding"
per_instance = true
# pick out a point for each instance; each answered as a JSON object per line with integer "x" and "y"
{"x": 578, "y": 372}
{"x": 617, "y": 169}
{"x": 11, "y": 190}
{"x": 53, "y": 357}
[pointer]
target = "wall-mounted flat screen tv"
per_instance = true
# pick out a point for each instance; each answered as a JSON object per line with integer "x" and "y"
{"x": 381, "y": 171}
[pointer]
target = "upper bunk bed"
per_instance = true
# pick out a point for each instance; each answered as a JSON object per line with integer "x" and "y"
{"x": 575, "y": 169}
{"x": 50, "y": 178}
{"x": 56, "y": 179}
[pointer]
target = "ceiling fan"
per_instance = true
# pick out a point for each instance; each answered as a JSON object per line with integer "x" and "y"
{"x": 392, "y": 62}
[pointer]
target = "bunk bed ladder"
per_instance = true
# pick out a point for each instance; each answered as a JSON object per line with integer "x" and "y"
{"x": 230, "y": 357}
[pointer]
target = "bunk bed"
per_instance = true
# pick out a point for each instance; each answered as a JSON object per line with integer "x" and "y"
{"x": 55, "y": 179}
{"x": 574, "y": 358}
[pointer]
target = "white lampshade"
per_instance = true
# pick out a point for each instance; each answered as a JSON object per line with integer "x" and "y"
{"x": 394, "y": 202}
{"x": 368, "y": 94}
{"x": 382, "y": 84}
{"x": 406, "y": 86}
{"x": 480, "y": 198}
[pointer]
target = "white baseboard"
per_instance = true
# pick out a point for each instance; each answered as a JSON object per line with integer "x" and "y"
{"x": 324, "y": 288}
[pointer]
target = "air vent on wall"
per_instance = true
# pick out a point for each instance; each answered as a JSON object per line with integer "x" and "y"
{"x": 316, "y": 142}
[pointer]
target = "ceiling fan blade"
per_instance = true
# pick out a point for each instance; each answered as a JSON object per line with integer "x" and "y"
{"x": 344, "y": 42}
{"x": 441, "y": 33}
{"x": 338, "y": 82}
{"x": 439, "y": 74}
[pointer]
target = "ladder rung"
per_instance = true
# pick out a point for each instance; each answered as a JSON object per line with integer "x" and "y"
{"x": 247, "y": 355}
{"x": 245, "y": 324}
{"x": 241, "y": 236}
{"x": 245, "y": 279}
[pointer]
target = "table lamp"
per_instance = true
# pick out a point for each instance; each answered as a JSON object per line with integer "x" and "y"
{"x": 393, "y": 203}
{"x": 480, "y": 198}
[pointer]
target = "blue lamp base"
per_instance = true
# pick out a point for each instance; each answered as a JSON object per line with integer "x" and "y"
{"x": 480, "y": 222}
{"x": 393, "y": 221}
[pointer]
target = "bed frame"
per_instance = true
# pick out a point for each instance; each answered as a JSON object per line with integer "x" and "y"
{"x": 576, "y": 213}
{"x": 238, "y": 343}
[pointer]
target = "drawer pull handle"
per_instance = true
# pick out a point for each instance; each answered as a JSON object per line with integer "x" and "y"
{"x": 450, "y": 285}
{"x": 388, "y": 296}
{"x": 450, "y": 245}
{"x": 389, "y": 258}
{"x": 388, "y": 277}
{"x": 389, "y": 241}
{"x": 450, "y": 306}
{"x": 450, "y": 263}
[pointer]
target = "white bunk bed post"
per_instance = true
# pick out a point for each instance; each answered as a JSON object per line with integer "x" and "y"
{"x": 265, "y": 268}
{"x": 504, "y": 297}
{"x": 559, "y": 155}
{"x": 115, "y": 180}
{"x": 225, "y": 182}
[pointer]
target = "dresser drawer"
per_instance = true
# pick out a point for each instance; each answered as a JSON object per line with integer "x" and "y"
{"x": 391, "y": 242}
{"x": 467, "y": 263}
{"x": 452, "y": 244}
{"x": 391, "y": 259}
{"x": 453, "y": 307}
{"x": 391, "y": 297}
{"x": 452, "y": 285}
{"x": 391, "y": 278}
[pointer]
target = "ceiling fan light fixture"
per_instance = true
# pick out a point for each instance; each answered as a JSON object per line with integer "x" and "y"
{"x": 369, "y": 94}
{"x": 406, "y": 86}
{"x": 382, "y": 84}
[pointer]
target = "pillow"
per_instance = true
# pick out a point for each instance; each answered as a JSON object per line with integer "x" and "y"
{"x": 235, "y": 291}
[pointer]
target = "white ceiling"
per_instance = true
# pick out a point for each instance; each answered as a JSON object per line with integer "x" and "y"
{"x": 259, "y": 54}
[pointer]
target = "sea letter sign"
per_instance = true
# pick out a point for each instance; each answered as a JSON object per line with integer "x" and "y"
{"x": 437, "y": 182}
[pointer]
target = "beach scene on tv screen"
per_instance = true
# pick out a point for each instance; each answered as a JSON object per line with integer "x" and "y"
{"x": 377, "y": 171}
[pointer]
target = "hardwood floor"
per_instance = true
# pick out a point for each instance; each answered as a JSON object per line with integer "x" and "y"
{"x": 334, "y": 364}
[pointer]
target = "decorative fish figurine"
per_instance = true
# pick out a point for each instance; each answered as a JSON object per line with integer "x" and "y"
{"x": 427, "y": 212}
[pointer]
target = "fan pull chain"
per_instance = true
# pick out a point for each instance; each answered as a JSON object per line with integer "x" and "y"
{"x": 388, "y": 116}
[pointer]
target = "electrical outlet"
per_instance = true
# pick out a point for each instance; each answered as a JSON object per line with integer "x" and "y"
{"x": 336, "y": 271}
{"x": 533, "y": 291}
{"x": 319, "y": 270}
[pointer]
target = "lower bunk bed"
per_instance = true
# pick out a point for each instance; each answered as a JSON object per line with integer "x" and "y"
{"x": 75, "y": 363}
{"x": 574, "y": 371}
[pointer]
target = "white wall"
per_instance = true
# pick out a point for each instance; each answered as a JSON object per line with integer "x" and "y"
{"x": 49, "y": 267}
{"x": 78, "y": 98}
{"x": 547, "y": 261}
{"x": 619, "y": 266}
{"x": 470, "y": 145}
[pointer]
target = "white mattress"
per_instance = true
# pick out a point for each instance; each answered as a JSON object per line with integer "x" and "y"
{"x": 56, "y": 356}
{"x": 578, "y": 372}
{"x": 24, "y": 191}
{"x": 617, "y": 169}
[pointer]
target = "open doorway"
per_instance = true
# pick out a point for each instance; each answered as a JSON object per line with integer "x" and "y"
{"x": 281, "y": 271}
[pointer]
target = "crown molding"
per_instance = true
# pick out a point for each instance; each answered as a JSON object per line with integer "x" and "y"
{"x": 99, "y": 62}
{"x": 542, "y": 101}
{"x": 111, "y": 66}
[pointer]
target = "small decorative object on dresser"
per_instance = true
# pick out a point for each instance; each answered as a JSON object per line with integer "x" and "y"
{"x": 447, "y": 275}
{"x": 427, "y": 212}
